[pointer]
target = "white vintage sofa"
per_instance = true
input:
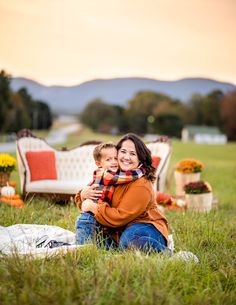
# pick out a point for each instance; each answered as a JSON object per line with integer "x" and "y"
{"x": 163, "y": 149}
{"x": 74, "y": 167}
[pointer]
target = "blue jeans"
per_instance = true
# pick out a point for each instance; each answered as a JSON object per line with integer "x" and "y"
{"x": 142, "y": 236}
{"x": 89, "y": 230}
{"x": 86, "y": 228}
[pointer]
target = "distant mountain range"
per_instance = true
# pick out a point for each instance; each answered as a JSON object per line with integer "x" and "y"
{"x": 73, "y": 99}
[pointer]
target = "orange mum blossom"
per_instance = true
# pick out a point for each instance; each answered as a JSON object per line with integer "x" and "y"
{"x": 189, "y": 166}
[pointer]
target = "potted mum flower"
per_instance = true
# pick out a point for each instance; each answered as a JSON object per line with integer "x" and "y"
{"x": 187, "y": 170}
{"x": 7, "y": 165}
{"x": 198, "y": 196}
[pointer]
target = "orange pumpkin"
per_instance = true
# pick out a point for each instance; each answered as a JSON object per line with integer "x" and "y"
{"x": 15, "y": 197}
{"x": 13, "y": 201}
{"x": 164, "y": 199}
{"x": 175, "y": 208}
{"x": 18, "y": 203}
{"x": 12, "y": 183}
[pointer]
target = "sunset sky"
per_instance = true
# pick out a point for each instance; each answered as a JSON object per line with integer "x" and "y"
{"x": 66, "y": 42}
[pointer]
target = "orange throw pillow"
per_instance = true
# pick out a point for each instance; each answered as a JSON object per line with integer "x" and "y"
{"x": 42, "y": 165}
{"x": 155, "y": 161}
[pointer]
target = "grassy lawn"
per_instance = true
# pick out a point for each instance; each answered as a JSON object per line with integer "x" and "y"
{"x": 94, "y": 276}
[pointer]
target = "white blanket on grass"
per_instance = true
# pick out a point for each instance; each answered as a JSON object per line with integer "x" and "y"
{"x": 22, "y": 238}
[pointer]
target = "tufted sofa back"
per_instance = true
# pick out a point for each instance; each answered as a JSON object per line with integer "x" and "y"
{"x": 76, "y": 164}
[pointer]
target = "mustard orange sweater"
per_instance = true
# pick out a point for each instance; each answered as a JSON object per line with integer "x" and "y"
{"x": 131, "y": 203}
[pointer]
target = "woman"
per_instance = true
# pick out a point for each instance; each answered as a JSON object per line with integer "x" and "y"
{"x": 132, "y": 220}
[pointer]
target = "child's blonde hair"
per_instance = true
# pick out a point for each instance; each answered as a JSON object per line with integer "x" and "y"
{"x": 97, "y": 150}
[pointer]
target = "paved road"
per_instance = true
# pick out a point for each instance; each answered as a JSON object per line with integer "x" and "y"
{"x": 58, "y": 136}
{"x": 7, "y": 147}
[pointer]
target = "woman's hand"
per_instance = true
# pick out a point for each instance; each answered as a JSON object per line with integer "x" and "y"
{"x": 89, "y": 206}
{"x": 90, "y": 192}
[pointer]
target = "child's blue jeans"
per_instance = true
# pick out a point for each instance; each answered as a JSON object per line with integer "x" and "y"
{"x": 89, "y": 230}
{"x": 86, "y": 228}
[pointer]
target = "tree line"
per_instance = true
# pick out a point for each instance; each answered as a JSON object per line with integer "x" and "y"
{"x": 19, "y": 110}
{"x": 146, "y": 112}
{"x": 151, "y": 112}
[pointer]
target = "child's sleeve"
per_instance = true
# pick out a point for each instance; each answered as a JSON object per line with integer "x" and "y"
{"x": 119, "y": 177}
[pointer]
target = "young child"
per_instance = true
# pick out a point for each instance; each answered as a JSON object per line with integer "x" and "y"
{"x": 106, "y": 176}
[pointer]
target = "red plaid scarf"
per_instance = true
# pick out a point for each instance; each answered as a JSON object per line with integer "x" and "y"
{"x": 107, "y": 179}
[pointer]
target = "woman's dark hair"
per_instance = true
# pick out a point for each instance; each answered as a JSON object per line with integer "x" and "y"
{"x": 144, "y": 154}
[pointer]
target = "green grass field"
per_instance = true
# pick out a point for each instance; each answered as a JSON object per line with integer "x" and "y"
{"x": 92, "y": 276}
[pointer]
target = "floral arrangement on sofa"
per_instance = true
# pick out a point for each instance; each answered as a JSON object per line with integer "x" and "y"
{"x": 189, "y": 166}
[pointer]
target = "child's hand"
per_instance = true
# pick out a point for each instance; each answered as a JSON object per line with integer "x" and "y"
{"x": 91, "y": 192}
{"x": 89, "y": 206}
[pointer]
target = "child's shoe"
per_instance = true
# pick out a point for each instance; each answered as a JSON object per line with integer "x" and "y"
{"x": 46, "y": 242}
{"x": 185, "y": 256}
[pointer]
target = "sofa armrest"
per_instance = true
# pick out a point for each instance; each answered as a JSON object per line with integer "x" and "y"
{"x": 162, "y": 149}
